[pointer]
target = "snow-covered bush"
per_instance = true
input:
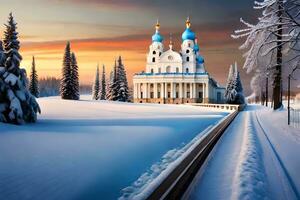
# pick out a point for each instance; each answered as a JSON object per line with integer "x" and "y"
{"x": 17, "y": 105}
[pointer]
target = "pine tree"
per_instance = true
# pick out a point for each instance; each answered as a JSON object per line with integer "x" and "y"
{"x": 229, "y": 83}
{"x": 17, "y": 105}
{"x": 96, "y": 86}
{"x": 109, "y": 86}
{"x": 74, "y": 77}
{"x": 34, "y": 84}
{"x": 114, "y": 86}
{"x": 122, "y": 91}
{"x": 103, "y": 85}
{"x": 2, "y": 56}
{"x": 66, "y": 80}
{"x": 234, "y": 89}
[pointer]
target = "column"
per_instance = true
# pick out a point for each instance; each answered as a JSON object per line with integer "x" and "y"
{"x": 134, "y": 91}
{"x": 155, "y": 90}
{"x": 166, "y": 91}
{"x": 162, "y": 92}
{"x": 203, "y": 91}
{"x": 172, "y": 90}
{"x": 180, "y": 90}
{"x": 139, "y": 90}
{"x": 207, "y": 91}
{"x": 191, "y": 90}
{"x": 185, "y": 90}
{"x": 144, "y": 90}
{"x": 194, "y": 90}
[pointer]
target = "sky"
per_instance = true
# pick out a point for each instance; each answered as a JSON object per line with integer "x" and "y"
{"x": 101, "y": 30}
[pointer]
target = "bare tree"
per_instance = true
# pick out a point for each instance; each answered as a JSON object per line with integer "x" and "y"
{"x": 272, "y": 40}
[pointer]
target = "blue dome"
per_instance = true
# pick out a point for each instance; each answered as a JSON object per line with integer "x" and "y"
{"x": 200, "y": 59}
{"x": 196, "y": 48}
{"x": 188, "y": 34}
{"x": 157, "y": 37}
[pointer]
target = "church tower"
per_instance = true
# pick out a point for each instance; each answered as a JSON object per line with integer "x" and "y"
{"x": 155, "y": 50}
{"x": 187, "y": 49}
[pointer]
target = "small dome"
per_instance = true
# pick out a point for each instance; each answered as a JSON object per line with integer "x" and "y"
{"x": 157, "y": 37}
{"x": 200, "y": 59}
{"x": 196, "y": 48}
{"x": 188, "y": 34}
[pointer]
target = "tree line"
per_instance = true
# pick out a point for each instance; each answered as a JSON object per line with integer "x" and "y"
{"x": 117, "y": 87}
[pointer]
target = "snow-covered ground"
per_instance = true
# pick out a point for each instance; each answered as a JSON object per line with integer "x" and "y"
{"x": 91, "y": 150}
{"x": 257, "y": 158}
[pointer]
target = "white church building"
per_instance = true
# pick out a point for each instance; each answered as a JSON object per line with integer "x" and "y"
{"x": 176, "y": 77}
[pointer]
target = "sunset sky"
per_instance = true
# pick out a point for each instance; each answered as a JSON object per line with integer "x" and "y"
{"x": 100, "y": 30}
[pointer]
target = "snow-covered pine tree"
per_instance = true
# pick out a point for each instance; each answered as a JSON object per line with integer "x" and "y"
{"x": 229, "y": 84}
{"x": 96, "y": 85}
{"x": 66, "y": 80}
{"x": 34, "y": 83}
{"x": 234, "y": 90}
{"x": 267, "y": 39}
{"x": 109, "y": 85}
{"x": 115, "y": 85}
{"x": 103, "y": 84}
{"x": 74, "y": 77}
{"x": 2, "y": 56}
{"x": 237, "y": 93}
{"x": 123, "y": 93}
{"x": 17, "y": 105}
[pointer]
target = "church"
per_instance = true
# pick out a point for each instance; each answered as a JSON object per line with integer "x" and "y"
{"x": 173, "y": 77}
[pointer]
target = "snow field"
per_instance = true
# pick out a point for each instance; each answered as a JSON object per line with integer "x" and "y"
{"x": 93, "y": 149}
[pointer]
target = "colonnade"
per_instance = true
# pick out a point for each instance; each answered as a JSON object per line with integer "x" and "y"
{"x": 165, "y": 90}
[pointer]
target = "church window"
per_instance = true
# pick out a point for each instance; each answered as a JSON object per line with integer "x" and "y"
{"x": 159, "y": 53}
{"x": 154, "y": 52}
{"x": 152, "y": 71}
{"x": 168, "y": 69}
{"x": 177, "y": 70}
{"x": 170, "y": 57}
{"x": 153, "y": 59}
{"x": 187, "y": 70}
{"x": 187, "y": 59}
{"x": 159, "y": 70}
{"x": 187, "y": 51}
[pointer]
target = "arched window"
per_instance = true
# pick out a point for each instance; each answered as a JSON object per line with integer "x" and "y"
{"x": 152, "y": 71}
{"x": 187, "y": 51}
{"x": 168, "y": 69}
{"x": 154, "y": 52}
{"x": 187, "y": 70}
{"x": 153, "y": 59}
{"x": 177, "y": 70}
{"x": 189, "y": 44}
{"x": 159, "y": 70}
{"x": 187, "y": 59}
{"x": 159, "y": 53}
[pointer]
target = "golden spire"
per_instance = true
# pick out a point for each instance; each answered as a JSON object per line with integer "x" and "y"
{"x": 188, "y": 22}
{"x": 157, "y": 25}
{"x": 171, "y": 42}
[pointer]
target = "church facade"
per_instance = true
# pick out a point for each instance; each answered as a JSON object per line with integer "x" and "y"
{"x": 176, "y": 77}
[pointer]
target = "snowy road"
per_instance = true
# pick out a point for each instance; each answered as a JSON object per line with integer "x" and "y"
{"x": 246, "y": 164}
{"x": 92, "y": 150}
